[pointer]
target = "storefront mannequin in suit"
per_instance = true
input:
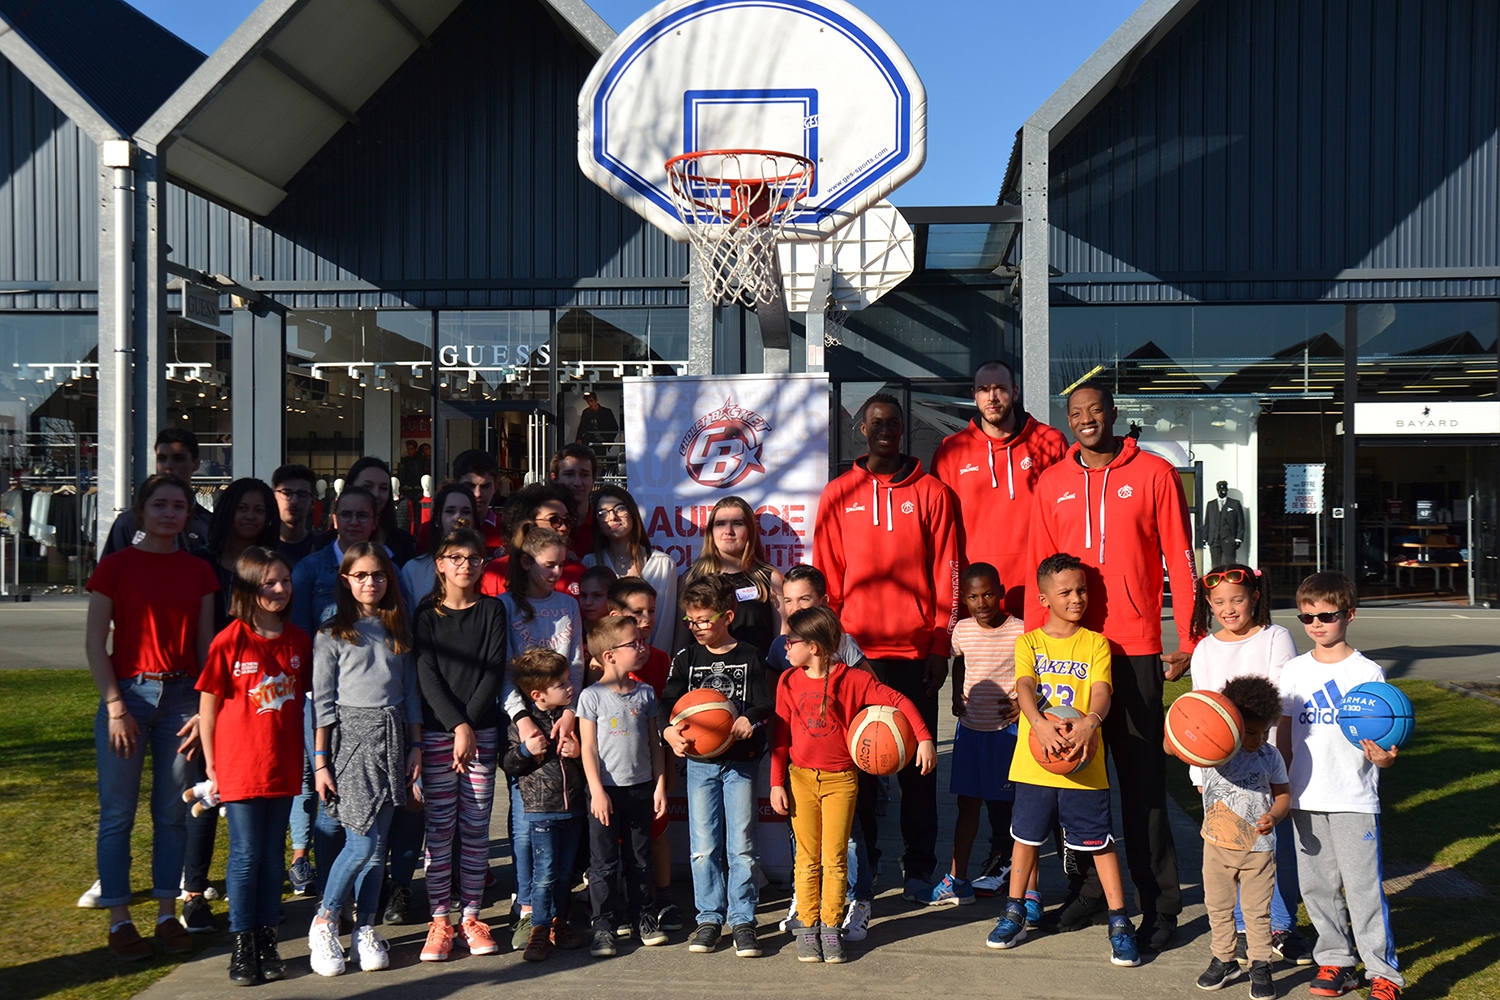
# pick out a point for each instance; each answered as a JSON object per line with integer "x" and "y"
{"x": 1224, "y": 527}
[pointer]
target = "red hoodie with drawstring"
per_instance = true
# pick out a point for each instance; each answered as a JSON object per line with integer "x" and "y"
{"x": 889, "y": 547}
{"x": 994, "y": 481}
{"x": 1121, "y": 521}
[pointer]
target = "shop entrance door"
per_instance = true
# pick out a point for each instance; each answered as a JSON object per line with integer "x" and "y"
{"x": 1428, "y": 521}
{"x": 517, "y": 433}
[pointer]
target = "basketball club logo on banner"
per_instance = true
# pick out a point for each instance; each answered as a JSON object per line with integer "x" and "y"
{"x": 692, "y": 441}
{"x": 723, "y": 449}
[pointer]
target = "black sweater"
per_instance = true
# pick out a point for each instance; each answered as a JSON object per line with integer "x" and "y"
{"x": 740, "y": 675}
{"x": 460, "y": 665}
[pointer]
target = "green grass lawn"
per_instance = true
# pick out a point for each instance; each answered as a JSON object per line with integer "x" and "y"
{"x": 49, "y": 814}
{"x": 1441, "y": 804}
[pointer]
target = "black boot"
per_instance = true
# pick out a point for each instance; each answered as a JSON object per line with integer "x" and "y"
{"x": 272, "y": 967}
{"x": 244, "y": 964}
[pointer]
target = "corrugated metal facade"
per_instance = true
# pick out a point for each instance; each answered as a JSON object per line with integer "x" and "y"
{"x": 49, "y": 190}
{"x": 1267, "y": 147}
{"x": 459, "y": 188}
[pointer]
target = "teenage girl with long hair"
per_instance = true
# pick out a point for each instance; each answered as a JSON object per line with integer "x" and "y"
{"x": 367, "y": 747}
{"x": 539, "y": 617}
{"x": 731, "y": 546}
{"x": 250, "y": 711}
{"x": 1248, "y": 644}
{"x": 461, "y": 638}
{"x": 160, "y": 601}
{"x": 812, "y": 775}
{"x": 452, "y": 508}
{"x": 372, "y": 474}
{"x": 620, "y": 543}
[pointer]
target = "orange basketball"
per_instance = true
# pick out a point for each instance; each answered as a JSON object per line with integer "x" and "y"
{"x": 1070, "y": 763}
{"x": 705, "y": 718}
{"x": 881, "y": 741}
{"x": 1204, "y": 728}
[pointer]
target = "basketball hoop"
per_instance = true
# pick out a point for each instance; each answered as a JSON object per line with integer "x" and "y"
{"x": 834, "y": 318}
{"x": 735, "y": 203}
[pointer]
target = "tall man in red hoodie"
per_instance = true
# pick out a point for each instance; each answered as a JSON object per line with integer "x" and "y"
{"x": 887, "y": 541}
{"x": 1122, "y": 511}
{"x": 992, "y": 467}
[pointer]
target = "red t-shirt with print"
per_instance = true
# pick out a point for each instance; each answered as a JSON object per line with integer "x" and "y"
{"x": 157, "y": 599}
{"x": 258, "y": 746}
{"x": 493, "y": 582}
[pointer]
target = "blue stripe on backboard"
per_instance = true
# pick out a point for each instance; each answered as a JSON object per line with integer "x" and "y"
{"x": 869, "y": 176}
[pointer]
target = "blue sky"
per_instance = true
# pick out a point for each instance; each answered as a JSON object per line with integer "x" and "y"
{"x": 987, "y": 65}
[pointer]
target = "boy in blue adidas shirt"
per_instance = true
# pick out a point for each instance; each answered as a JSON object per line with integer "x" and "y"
{"x": 1336, "y": 798}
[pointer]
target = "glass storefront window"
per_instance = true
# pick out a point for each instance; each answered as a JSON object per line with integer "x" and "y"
{"x": 199, "y": 391}
{"x": 937, "y": 331}
{"x": 359, "y": 382}
{"x": 49, "y": 422}
{"x": 495, "y": 389}
{"x": 1428, "y": 349}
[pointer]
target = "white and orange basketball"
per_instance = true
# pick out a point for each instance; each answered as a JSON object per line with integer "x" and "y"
{"x": 881, "y": 741}
{"x": 1204, "y": 728}
{"x": 705, "y": 718}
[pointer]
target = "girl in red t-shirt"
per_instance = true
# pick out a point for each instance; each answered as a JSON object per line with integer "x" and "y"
{"x": 160, "y": 600}
{"x": 815, "y": 701}
{"x": 250, "y": 713}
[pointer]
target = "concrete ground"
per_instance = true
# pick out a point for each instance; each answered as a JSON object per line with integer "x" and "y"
{"x": 912, "y": 950}
{"x": 1437, "y": 642}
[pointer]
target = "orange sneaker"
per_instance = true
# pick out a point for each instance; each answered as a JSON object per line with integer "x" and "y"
{"x": 173, "y": 937}
{"x": 477, "y": 937}
{"x": 439, "y": 942}
{"x": 127, "y": 945}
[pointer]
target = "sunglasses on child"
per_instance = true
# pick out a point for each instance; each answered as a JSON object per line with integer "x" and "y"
{"x": 1212, "y": 580}
{"x": 1326, "y": 617}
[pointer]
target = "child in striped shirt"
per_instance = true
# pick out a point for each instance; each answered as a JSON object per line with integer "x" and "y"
{"x": 984, "y": 702}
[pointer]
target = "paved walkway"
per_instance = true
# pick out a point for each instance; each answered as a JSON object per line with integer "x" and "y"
{"x": 911, "y": 951}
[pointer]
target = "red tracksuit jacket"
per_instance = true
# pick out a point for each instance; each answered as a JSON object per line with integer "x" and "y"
{"x": 994, "y": 481}
{"x": 1122, "y": 521}
{"x": 889, "y": 547}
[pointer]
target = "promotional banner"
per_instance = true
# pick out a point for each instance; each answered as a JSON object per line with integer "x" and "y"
{"x": 691, "y": 441}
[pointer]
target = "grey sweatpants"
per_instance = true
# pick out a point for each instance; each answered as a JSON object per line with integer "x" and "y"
{"x": 1338, "y": 864}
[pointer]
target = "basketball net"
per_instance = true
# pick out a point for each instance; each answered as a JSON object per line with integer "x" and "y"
{"x": 735, "y": 204}
{"x": 834, "y": 317}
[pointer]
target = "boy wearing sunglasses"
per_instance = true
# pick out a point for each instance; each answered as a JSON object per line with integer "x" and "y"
{"x": 1335, "y": 790}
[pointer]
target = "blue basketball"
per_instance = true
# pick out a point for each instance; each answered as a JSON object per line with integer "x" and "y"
{"x": 1376, "y": 711}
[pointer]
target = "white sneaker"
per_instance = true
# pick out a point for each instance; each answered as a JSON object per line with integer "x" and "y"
{"x": 857, "y": 921}
{"x": 90, "y": 899}
{"x": 791, "y": 915}
{"x": 374, "y": 953}
{"x": 324, "y": 950}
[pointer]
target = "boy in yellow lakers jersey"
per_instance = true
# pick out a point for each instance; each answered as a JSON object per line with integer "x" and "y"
{"x": 1063, "y": 664}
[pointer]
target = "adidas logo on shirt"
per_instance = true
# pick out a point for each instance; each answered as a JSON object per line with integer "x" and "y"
{"x": 1321, "y": 709}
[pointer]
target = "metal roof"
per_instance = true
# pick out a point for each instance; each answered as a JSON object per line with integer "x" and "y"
{"x": 82, "y": 53}
{"x": 289, "y": 78}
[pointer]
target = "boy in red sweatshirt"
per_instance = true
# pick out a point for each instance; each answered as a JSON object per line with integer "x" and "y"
{"x": 1123, "y": 511}
{"x": 887, "y": 541}
{"x": 992, "y": 467}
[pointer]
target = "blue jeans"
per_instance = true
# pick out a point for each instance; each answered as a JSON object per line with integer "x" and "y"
{"x": 160, "y": 709}
{"x": 359, "y": 866}
{"x": 305, "y": 806}
{"x": 721, "y": 834}
{"x": 520, "y": 845}
{"x": 554, "y": 847}
{"x": 257, "y": 862}
{"x": 861, "y": 872}
{"x": 1288, "y": 892}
